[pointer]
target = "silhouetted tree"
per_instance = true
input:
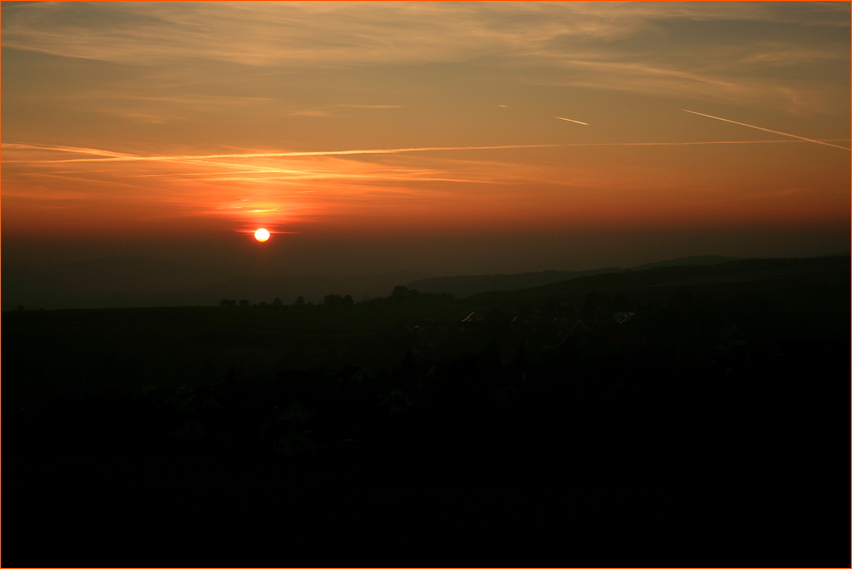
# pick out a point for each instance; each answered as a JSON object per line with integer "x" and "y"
{"x": 276, "y": 302}
{"x": 245, "y": 303}
{"x": 347, "y": 301}
{"x": 399, "y": 291}
{"x": 332, "y": 300}
{"x": 300, "y": 301}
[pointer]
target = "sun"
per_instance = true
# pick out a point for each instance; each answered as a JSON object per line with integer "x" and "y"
{"x": 261, "y": 234}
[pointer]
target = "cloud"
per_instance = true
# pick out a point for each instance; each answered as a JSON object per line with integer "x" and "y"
{"x": 284, "y": 154}
{"x": 158, "y": 108}
{"x": 203, "y": 159}
{"x": 310, "y": 113}
{"x": 372, "y": 106}
{"x": 324, "y": 114}
{"x": 311, "y": 33}
{"x": 629, "y": 46}
{"x": 46, "y": 195}
{"x": 56, "y": 148}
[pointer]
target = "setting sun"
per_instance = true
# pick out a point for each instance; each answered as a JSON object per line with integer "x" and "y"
{"x": 620, "y": 135}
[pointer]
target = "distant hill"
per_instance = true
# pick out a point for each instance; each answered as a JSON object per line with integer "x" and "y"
{"x": 821, "y": 275}
{"x": 462, "y": 286}
{"x": 141, "y": 282}
{"x": 106, "y": 283}
{"x": 144, "y": 282}
{"x": 686, "y": 261}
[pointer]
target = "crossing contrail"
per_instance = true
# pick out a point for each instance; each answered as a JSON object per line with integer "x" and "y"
{"x": 766, "y": 129}
{"x": 572, "y": 120}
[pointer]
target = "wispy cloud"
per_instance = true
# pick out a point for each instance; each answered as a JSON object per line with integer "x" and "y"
{"x": 372, "y": 106}
{"x": 323, "y": 113}
{"x": 263, "y": 33}
{"x": 310, "y": 113}
{"x": 586, "y": 37}
{"x": 203, "y": 159}
{"x": 56, "y": 148}
{"x": 285, "y": 154}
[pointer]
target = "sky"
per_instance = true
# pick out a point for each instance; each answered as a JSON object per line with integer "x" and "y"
{"x": 440, "y": 138}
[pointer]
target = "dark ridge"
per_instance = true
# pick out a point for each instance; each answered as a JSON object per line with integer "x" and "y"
{"x": 696, "y": 260}
{"x": 461, "y": 286}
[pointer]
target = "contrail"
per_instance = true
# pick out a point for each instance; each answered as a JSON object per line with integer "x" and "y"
{"x": 699, "y": 143}
{"x": 572, "y": 120}
{"x": 766, "y": 129}
{"x": 131, "y": 158}
{"x": 284, "y": 154}
{"x": 75, "y": 149}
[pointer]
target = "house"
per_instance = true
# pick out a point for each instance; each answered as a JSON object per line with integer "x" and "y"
{"x": 622, "y": 317}
{"x": 506, "y": 394}
{"x": 732, "y": 335}
{"x": 295, "y": 413}
{"x": 474, "y": 322}
{"x": 352, "y": 373}
{"x": 573, "y": 326}
{"x": 189, "y": 431}
{"x": 396, "y": 400}
{"x": 292, "y": 443}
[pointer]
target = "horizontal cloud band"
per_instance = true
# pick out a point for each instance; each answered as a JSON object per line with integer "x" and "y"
{"x": 389, "y": 150}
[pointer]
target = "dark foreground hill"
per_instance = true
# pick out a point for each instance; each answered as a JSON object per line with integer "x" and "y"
{"x": 671, "y": 416}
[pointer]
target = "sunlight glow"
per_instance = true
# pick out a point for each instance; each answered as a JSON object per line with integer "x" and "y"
{"x": 261, "y": 235}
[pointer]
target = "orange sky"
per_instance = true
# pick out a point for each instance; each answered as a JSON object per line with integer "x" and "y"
{"x": 136, "y": 127}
